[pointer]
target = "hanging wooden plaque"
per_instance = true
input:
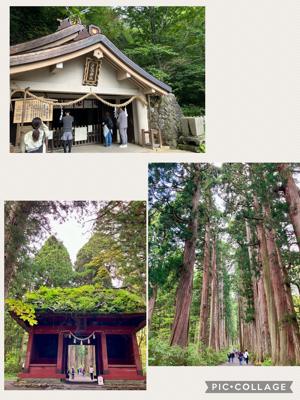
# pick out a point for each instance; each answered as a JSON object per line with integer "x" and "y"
{"x": 33, "y": 108}
{"x": 91, "y": 72}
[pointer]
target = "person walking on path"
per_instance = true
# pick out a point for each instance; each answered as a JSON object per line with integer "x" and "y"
{"x": 123, "y": 125}
{"x": 241, "y": 358}
{"x": 73, "y": 372}
{"x": 91, "y": 372}
{"x": 229, "y": 357}
{"x": 108, "y": 129}
{"x": 67, "y": 136}
{"x": 246, "y": 356}
{"x": 36, "y": 141}
{"x": 232, "y": 356}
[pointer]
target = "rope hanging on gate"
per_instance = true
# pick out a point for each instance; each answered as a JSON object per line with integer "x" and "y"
{"x": 81, "y": 339}
{"x": 69, "y": 103}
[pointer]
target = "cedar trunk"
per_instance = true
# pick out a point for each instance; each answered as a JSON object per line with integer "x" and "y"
{"x": 151, "y": 305}
{"x": 292, "y": 197}
{"x": 204, "y": 307}
{"x": 180, "y": 328}
{"x": 271, "y": 308}
{"x": 286, "y": 348}
{"x": 214, "y": 303}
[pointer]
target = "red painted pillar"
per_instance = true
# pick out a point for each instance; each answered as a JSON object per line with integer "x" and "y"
{"x": 59, "y": 363}
{"x": 28, "y": 351}
{"x": 136, "y": 353}
{"x": 104, "y": 354}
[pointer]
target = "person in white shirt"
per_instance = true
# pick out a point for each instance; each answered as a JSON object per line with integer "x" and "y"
{"x": 91, "y": 370}
{"x": 246, "y": 356}
{"x": 36, "y": 141}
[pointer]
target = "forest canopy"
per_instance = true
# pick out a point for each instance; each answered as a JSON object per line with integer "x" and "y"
{"x": 224, "y": 263}
{"x": 168, "y": 42}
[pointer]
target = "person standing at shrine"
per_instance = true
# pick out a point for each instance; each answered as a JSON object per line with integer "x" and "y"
{"x": 91, "y": 372}
{"x": 108, "y": 129}
{"x": 123, "y": 125}
{"x": 67, "y": 136}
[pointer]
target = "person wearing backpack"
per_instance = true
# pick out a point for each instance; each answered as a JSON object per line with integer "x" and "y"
{"x": 36, "y": 140}
{"x": 107, "y": 129}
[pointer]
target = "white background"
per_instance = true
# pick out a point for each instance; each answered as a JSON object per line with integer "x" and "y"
{"x": 253, "y": 114}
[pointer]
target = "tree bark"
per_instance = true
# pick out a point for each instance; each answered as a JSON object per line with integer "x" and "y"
{"x": 214, "y": 303}
{"x": 286, "y": 350}
{"x": 256, "y": 328}
{"x": 151, "y": 305}
{"x": 15, "y": 216}
{"x": 272, "y": 315}
{"x": 292, "y": 197}
{"x": 204, "y": 305}
{"x": 180, "y": 328}
{"x": 292, "y": 317}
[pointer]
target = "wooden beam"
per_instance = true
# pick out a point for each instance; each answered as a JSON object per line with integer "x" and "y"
{"x": 58, "y": 42}
{"x": 46, "y": 63}
{"x": 28, "y": 351}
{"x": 122, "y": 75}
{"x": 134, "y": 74}
{"x": 136, "y": 353}
{"x": 59, "y": 364}
{"x": 43, "y": 55}
{"x": 104, "y": 354}
{"x": 56, "y": 68}
{"x": 149, "y": 91}
{"x": 45, "y": 40}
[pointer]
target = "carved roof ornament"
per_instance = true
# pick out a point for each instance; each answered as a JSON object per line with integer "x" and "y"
{"x": 64, "y": 23}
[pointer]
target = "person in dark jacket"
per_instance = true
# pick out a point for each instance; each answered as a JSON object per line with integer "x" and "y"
{"x": 67, "y": 137}
{"x": 107, "y": 129}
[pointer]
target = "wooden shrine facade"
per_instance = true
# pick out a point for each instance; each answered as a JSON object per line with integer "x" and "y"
{"x": 68, "y": 64}
{"x": 113, "y": 336}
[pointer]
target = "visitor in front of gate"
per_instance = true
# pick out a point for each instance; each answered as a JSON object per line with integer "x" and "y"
{"x": 107, "y": 129}
{"x": 67, "y": 136}
{"x": 73, "y": 372}
{"x": 123, "y": 124}
{"x": 246, "y": 356}
{"x": 92, "y": 372}
{"x": 36, "y": 141}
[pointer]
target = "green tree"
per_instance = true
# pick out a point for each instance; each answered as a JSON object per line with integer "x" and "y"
{"x": 52, "y": 265}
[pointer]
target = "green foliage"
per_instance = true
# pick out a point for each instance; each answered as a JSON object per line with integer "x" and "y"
{"x": 11, "y": 363}
{"x": 161, "y": 354}
{"x": 24, "y": 311}
{"x": 52, "y": 265}
{"x": 88, "y": 298}
{"x": 267, "y": 363}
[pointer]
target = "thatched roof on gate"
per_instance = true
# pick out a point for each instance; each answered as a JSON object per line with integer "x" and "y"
{"x": 84, "y": 300}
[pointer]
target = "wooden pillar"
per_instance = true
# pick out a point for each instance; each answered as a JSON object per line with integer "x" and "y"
{"x": 136, "y": 354}
{"x": 20, "y": 132}
{"x": 28, "y": 351}
{"x": 104, "y": 354}
{"x": 59, "y": 363}
{"x": 99, "y": 364}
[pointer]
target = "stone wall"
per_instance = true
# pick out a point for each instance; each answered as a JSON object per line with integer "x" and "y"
{"x": 166, "y": 115}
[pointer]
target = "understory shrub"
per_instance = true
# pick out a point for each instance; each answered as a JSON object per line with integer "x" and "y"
{"x": 161, "y": 353}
